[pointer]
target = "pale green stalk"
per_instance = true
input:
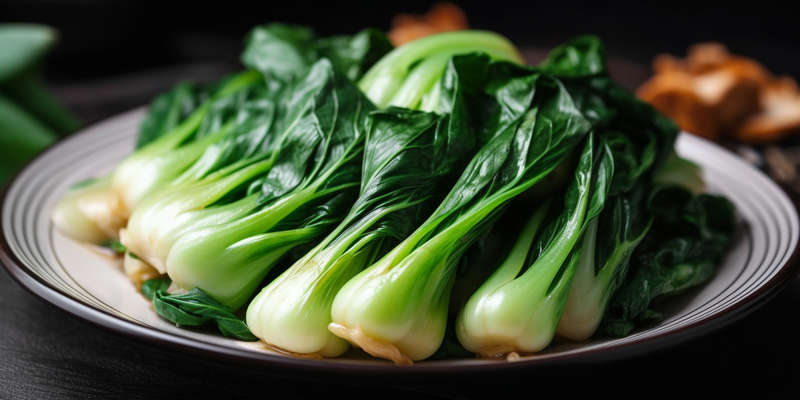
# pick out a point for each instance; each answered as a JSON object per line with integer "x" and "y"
{"x": 593, "y": 285}
{"x": 293, "y": 312}
{"x": 385, "y": 85}
{"x": 163, "y": 218}
{"x": 229, "y": 260}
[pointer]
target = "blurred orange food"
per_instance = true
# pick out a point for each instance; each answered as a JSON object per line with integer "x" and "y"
{"x": 441, "y": 17}
{"x": 715, "y": 94}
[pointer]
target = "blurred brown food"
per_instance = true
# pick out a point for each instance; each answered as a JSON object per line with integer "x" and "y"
{"x": 441, "y": 17}
{"x": 717, "y": 95}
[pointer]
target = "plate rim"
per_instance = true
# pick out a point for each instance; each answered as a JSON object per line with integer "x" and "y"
{"x": 278, "y": 365}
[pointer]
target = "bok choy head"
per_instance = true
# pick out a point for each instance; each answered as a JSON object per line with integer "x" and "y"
{"x": 188, "y": 131}
{"x": 93, "y": 211}
{"x": 409, "y": 156}
{"x": 262, "y": 131}
{"x": 215, "y": 187}
{"x": 518, "y": 307}
{"x": 165, "y": 158}
{"x": 641, "y": 142}
{"x": 313, "y": 180}
{"x": 397, "y": 307}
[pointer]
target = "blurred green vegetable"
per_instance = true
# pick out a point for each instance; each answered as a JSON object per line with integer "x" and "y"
{"x": 30, "y": 117}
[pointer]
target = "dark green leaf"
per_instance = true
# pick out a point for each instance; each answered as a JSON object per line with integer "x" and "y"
{"x": 169, "y": 109}
{"x": 151, "y": 286}
{"x": 280, "y": 50}
{"x": 354, "y": 55}
{"x": 687, "y": 241}
{"x": 640, "y": 137}
{"x": 288, "y": 51}
{"x": 197, "y": 308}
{"x": 522, "y": 152}
{"x": 329, "y": 130}
{"x": 583, "y": 56}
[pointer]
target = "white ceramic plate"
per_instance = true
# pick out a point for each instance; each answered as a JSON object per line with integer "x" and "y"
{"x": 91, "y": 286}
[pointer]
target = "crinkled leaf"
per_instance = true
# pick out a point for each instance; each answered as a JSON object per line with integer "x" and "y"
{"x": 687, "y": 241}
{"x": 640, "y": 137}
{"x": 329, "y": 128}
{"x": 521, "y": 153}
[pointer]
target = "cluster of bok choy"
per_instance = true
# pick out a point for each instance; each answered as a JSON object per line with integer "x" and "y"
{"x": 340, "y": 192}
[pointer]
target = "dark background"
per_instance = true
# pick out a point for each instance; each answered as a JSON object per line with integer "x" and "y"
{"x": 105, "y": 38}
{"x": 115, "y": 55}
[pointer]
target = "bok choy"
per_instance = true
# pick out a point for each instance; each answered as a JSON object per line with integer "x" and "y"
{"x": 196, "y": 129}
{"x": 332, "y": 190}
{"x": 173, "y": 136}
{"x": 518, "y": 307}
{"x": 262, "y": 133}
{"x": 408, "y": 155}
{"x": 253, "y": 242}
{"x": 397, "y": 307}
{"x": 314, "y": 180}
{"x": 401, "y": 174}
